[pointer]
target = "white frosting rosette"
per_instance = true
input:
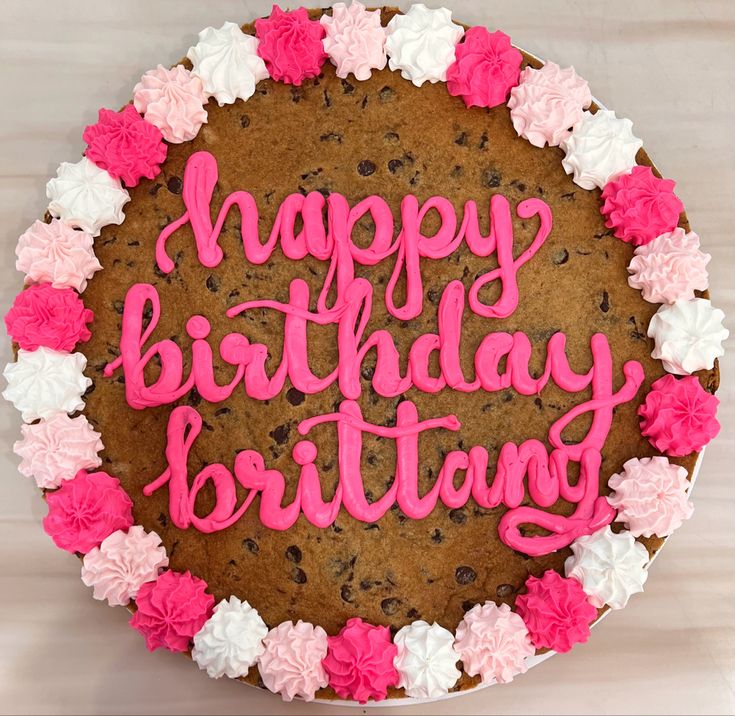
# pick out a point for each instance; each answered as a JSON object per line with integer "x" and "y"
{"x": 426, "y": 660}
{"x": 601, "y": 147}
{"x": 610, "y": 567}
{"x": 85, "y": 196}
{"x": 688, "y": 335}
{"x": 44, "y": 381}
{"x": 231, "y": 640}
{"x": 421, "y": 43}
{"x": 227, "y": 62}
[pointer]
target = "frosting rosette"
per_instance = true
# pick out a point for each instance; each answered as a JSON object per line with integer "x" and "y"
{"x": 556, "y": 611}
{"x": 601, "y": 147}
{"x": 359, "y": 662}
{"x": 125, "y": 145}
{"x": 679, "y": 416}
{"x": 688, "y": 335}
{"x": 669, "y": 268}
{"x": 124, "y": 561}
{"x": 611, "y": 567}
{"x": 171, "y": 610}
{"x": 421, "y": 43}
{"x": 227, "y": 62}
{"x": 547, "y": 104}
{"x": 354, "y": 40}
{"x": 56, "y": 449}
{"x": 44, "y": 381}
{"x": 650, "y": 495}
{"x": 85, "y": 196}
{"x": 486, "y": 67}
{"x": 426, "y": 660}
{"x": 291, "y": 664}
{"x": 85, "y": 510}
{"x": 493, "y": 642}
{"x": 172, "y": 100}
{"x": 639, "y": 206}
{"x": 56, "y": 253}
{"x": 291, "y": 45}
{"x": 230, "y": 641}
{"x": 46, "y": 316}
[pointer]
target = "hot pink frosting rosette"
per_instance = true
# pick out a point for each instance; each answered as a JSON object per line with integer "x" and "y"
{"x": 125, "y": 145}
{"x": 85, "y": 510}
{"x": 640, "y": 206}
{"x": 172, "y": 100}
{"x": 493, "y": 641}
{"x": 651, "y": 496}
{"x": 679, "y": 416}
{"x": 290, "y": 45}
{"x": 556, "y": 611}
{"x": 670, "y": 268}
{"x": 56, "y": 449}
{"x": 486, "y": 67}
{"x": 359, "y": 662}
{"x": 171, "y": 610}
{"x": 46, "y": 316}
{"x": 548, "y": 103}
{"x": 56, "y": 253}
{"x": 291, "y": 664}
{"x": 123, "y": 563}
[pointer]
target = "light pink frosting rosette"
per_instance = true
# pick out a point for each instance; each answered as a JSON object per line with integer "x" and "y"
{"x": 651, "y": 496}
{"x": 56, "y": 253}
{"x": 172, "y": 100}
{"x": 355, "y": 40}
{"x": 548, "y": 103}
{"x": 42, "y": 315}
{"x": 493, "y": 641}
{"x": 669, "y": 268}
{"x": 122, "y": 564}
{"x": 55, "y": 449}
{"x": 291, "y": 664}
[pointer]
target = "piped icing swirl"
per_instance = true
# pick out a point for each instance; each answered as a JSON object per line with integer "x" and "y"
{"x": 124, "y": 561}
{"x": 230, "y": 641}
{"x": 493, "y": 642}
{"x": 611, "y": 567}
{"x": 85, "y": 196}
{"x": 670, "y": 268}
{"x": 172, "y": 100}
{"x": 354, "y": 40}
{"x": 43, "y": 382}
{"x": 56, "y": 253}
{"x": 426, "y": 660}
{"x": 291, "y": 664}
{"x": 547, "y": 104}
{"x": 688, "y": 335}
{"x": 601, "y": 147}
{"x": 639, "y": 206}
{"x": 291, "y": 45}
{"x": 55, "y": 449}
{"x": 650, "y": 495}
{"x": 421, "y": 43}
{"x": 679, "y": 416}
{"x": 487, "y": 66}
{"x": 227, "y": 62}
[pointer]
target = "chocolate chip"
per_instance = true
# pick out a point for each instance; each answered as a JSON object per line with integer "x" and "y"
{"x": 367, "y": 372}
{"x": 504, "y": 590}
{"x": 295, "y": 396}
{"x": 390, "y": 606}
{"x": 365, "y": 168}
{"x": 222, "y": 411}
{"x": 327, "y": 99}
{"x": 347, "y": 88}
{"x": 364, "y": 102}
{"x": 491, "y": 179}
{"x": 412, "y": 613}
{"x": 437, "y": 537}
{"x": 193, "y": 398}
{"x": 293, "y": 553}
{"x": 467, "y": 605}
{"x": 298, "y": 575}
{"x": 483, "y": 141}
{"x": 394, "y": 165}
{"x": 346, "y": 593}
{"x": 212, "y": 283}
{"x": 154, "y": 189}
{"x": 175, "y": 185}
{"x": 162, "y": 520}
{"x": 456, "y": 172}
{"x": 281, "y": 433}
{"x": 119, "y": 307}
{"x": 244, "y": 121}
{"x": 569, "y": 196}
{"x": 251, "y": 545}
{"x": 387, "y": 94}
{"x": 464, "y": 575}
{"x": 391, "y": 137}
{"x": 461, "y": 139}
{"x": 296, "y": 95}
{"x": 605, "y": 303}
{"x": 458, "y": 516}
{"x": 331, "y": 137}
{"x": 365, "y": 585}
{"x": 561, "y": 257}
{"x": 433, "y": 295}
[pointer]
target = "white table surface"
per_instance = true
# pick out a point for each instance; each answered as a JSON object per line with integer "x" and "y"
{"x": 666, "y": 64}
